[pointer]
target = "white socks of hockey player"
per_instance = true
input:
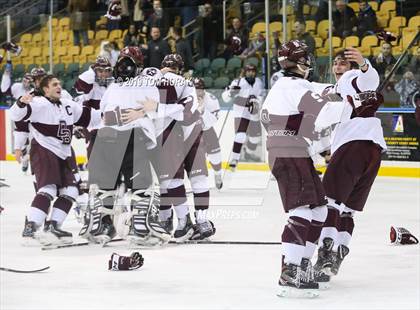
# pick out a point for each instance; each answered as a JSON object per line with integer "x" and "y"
{"x": 36, "y": 215}
{"x": 181, "y": 213}
{"x": 164, "y": 215}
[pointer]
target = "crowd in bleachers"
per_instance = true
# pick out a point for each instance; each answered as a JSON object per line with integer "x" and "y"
{"x": 90, "y": 28}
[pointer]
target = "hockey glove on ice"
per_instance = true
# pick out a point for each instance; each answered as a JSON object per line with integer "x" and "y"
{"x": 400, "y": 235}
{"x": 119, "y": 262}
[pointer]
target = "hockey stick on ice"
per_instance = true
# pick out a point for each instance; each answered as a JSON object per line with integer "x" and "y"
{"x": 24, "y": 271}
{"x": 229, "y": 242}
{"x": 74, "y": 245}
{"x": 398, "y": 63}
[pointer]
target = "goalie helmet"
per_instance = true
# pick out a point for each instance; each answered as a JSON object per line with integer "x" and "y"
{"x": 295, "y": 54}
{"x": 27, "y": 81}
{"x": 173, "y": 61}
{"x": 103, "y": 71}
{"x": 12, "y": 48}
{"x": 129, "y": 63}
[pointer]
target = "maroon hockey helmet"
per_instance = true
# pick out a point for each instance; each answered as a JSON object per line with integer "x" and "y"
{"x": 129, "y": 63}
{"x": 38, "y": 72}
{"x": 235, "y": 45}
{"x": 173, "y": 61}
{"x": 293, "y": 54}
{"x": 103, "y": 71}
{"x": 12, "y": 48}
{"x": 114, "y": 8}
{"x": 199, "y": 83}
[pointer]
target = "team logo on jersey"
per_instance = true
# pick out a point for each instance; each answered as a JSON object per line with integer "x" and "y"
{"x": 397, "y": 123}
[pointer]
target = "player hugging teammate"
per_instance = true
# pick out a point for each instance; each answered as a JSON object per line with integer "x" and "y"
{"x": 295, "y": 113}
{"x": 149, "y": 117}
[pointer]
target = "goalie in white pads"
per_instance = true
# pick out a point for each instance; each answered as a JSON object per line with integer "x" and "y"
{"x": 120, "y": 160}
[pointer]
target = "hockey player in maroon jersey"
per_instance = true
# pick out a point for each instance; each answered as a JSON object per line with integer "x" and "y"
{"x": 192, "y": 157}
{"x": 51, "y": 119}
{"x": 209, "y": 107}
{"x": 246, "y": 92}
{"x": 357, "y": 144}
{"x": 289, "y": 114}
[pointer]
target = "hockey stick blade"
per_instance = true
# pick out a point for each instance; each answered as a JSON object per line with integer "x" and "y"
{"x": 45, "y": 248}
{"x": 24, "y": 271}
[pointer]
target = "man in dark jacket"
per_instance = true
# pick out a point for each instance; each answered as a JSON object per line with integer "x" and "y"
{"x": 303, "y": 36}
{"x": 157, "y": 48}
{"x": 366, "y": 21}
{"x": 344, "y": 19}
{"x": 183, "y": 48}
{"x": 237, "y": 39}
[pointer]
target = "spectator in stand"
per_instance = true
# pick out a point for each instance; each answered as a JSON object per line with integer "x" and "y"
{"x": 158, "y": 18}
{"x": 183, "y": 48}
{"x": 113, "y": 15}
{"x": 322, "y": 12}
{"x": 299, "y": 29}
{"x": 79, "y": 20}
{"x": 125, "y": 15}
{"x": 344, "y": 19}
{"x": 138, "y": 14}
{"x": 209, "y": 34}
{"x": 383, "y": 60}
{"x": 257, "y": 45}
{"x": 415, "y": 61}
{"x": 132, "y": 37}
{"x": 406, "y": 88}
{"x": 237, "y": 39}
{"x": 366, "y": 20}
{"x": 157, "y": 48}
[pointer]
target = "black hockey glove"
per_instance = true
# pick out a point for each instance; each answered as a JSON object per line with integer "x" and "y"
{"x": 119, "y": 262}
{"x": 252, "y": 105}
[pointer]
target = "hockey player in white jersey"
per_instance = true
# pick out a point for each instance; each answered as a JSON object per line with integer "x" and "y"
{"x": 290, "y": 113}
{"x": 51, "y": 119}
{"x": 247, "y": 94}
{"x": 20, "y": 133}
{"x": 209, "y": 107}
{"x": 90, "y": 87}
{"x": 181, "y": 150}
{"x": 120, "y": 159}
{"x": 357, "y": 144}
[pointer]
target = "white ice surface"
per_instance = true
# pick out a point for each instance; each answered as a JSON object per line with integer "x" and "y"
{"x": 375, "y": 275}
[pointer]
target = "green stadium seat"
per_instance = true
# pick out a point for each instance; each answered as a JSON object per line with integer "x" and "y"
{"x": 221, "y": 82}
{"x": 85, "y": 67}
{"x": 201, "y": 66}
{"x": 58, "y": 69}
{"x": 72, "y": 70}
{"x": 208, "y": 81}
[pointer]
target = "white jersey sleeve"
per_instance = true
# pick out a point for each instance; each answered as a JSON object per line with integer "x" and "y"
{"x": 211, "y": 110}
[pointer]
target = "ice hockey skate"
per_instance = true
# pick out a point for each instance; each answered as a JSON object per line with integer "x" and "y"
{"x": 232, "y": 165}
{"x": 218, "y": 181}
{"x": 338, "y": 258}
{"x": 30, "y": 234}
{"x": 54, "y": 235}
{"x": 312, "y": 275}
{"x": 325, "y": 257}
{"x": 184, "y": 229}
{"x": 293, "y": 284}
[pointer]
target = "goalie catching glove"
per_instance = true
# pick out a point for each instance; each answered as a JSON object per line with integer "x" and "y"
{"x": 119, "y": 262}
{"x": 400, "y": 235}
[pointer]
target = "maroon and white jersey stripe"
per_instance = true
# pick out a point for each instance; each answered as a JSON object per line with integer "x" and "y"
{"x": 51, "y": 124}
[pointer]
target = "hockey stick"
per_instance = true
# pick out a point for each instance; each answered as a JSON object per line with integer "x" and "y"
{"x": 24, "y": 271}
{"x": 63, "y": 246}
{"x": 398, "y": 63}
{"x": 228, "y": 242}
